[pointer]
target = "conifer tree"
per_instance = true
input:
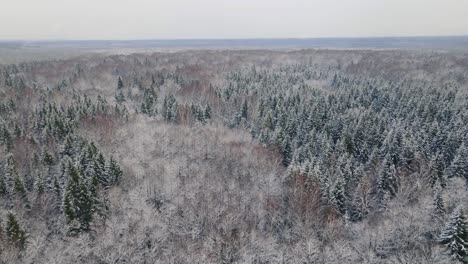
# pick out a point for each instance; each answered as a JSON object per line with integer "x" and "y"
{"x": 3, "y": 185}
{"x": 120, "y": 84}
{"x": 244, "y": 110}
{"x": 115, "y": 173}
{"x": 459, "y": 166}
{"x": 387, "y": 181}
{"x": 338, "y": 196}
{"x": 437, "y": 172}
{"x": 39, "y": 184}
{"x": 120, "y": 97}
{"x": 78, "y": 202}
{"x": 207, "y": 114}
{"x": 455, "y": 235}
{"x": 19, "y": 186}
{"x": 11, "y": 174}
{"x": 15, "y": 234}
{"x": 438, "y": 205}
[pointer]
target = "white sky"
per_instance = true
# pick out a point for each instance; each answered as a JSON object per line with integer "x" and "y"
{"x": 175, "y": 19}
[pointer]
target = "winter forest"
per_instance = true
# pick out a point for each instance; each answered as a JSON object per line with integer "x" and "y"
{"x": 235, "y": 156}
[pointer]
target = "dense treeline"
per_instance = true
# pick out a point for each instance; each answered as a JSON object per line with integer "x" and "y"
{"x": 360, "y": 128}
{"x": 237, "y": 157}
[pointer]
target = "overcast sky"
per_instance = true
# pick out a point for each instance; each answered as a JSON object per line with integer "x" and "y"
{"x": 175, "y": 19}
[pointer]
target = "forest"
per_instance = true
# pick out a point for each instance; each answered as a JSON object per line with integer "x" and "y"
{"x": 235, "y": 156}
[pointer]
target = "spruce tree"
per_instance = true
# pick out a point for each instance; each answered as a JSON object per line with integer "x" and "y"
{"x": 455, "y": 235}
{"x": 78, "y": 201}
{"x": 207, "y": 114}
{"x": 120, "y": 84}
{"x": 437, "y": 172}
{"x": 15, "y": 234}
{"x": 338, "y": 196}
{"x": 387, "y": 182}
{"x": 438, "y": 205}
{"x": 115, "y": 173}
{"x": 244, "y": 110}
{"x": 120, "y": 97}
{"x": 459, "y": 166}
{"x": 11, "y": 174}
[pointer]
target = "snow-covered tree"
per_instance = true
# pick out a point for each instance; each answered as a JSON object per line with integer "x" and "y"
{"x": 455, "y": 235}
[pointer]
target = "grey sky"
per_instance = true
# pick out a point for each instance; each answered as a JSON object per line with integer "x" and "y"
{"x": 174, "y": 19}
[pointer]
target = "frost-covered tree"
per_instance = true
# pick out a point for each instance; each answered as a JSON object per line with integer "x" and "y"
{"x": 15, "y": 233}
{"x": 387, "y": 181}
{"x": 438, "y": 210}
{"x": 455, "y": 235}
{"x": 120, "y": 84}
{"x": 77, "y": 202}
{"x": 459, "y": 165}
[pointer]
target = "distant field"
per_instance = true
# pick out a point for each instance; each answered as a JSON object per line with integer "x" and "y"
{"x": 21, "y": 51}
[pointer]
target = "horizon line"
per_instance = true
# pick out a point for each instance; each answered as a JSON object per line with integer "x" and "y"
{"x": 247, "y": 38}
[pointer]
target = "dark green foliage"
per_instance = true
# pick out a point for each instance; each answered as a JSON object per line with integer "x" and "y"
{"x": 120, "y": 84}
{"x": 15, "y": 234}
{"x": 170, "y": 108}
{"x": 244, "y": 110}
{"x": 207, "y": 112}
{"x": 114, "y": 171}
{"x": 78, "y": 203}
{"x": 149, "y": 102}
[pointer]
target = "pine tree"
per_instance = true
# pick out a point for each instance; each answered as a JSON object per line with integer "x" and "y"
{"x": 338, "y": 196}
{"x": 15, "y": 234}
{"x": 100, "y": 169}
{"x": 387, "y": 182}
{"x": 455, "y": 235}
{"x": 78, "y": 202}
{"x": 207, "y": 114}
{"x": 437, "y": 172}
{"x": 11, "y": 174}
{"x": 115, "y": 173}
{"x": 287, "y": 152}
{"x": 120, "y": 84}
{"x": 438, "y": 205}
{"x": 244, "y": 110}
{"x": 120, "y": 97}
{"x": 39, "y": 183}
{"x": 459, "y": 166}
{"x": 19, "y": 186}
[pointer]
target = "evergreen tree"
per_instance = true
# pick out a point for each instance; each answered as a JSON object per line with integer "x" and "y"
{"x": 244, "y": 110}
{"x": 120, "y": 84}
{"x": 19, "y": 186}
{"x": 120, "y": 97}
{"x": 459, "y": 166}
{"x": 287, "y": 152}
{"x": 207, "y": 114}
{"x": 115, "y": 173}
{"x": 437, "y": 171}
{"x": 338, "y": 196}
{"x": 387, "y": 182}
{"x": 15, "y": 234}
{"x": 78, "y": 202}
{"x": 3, "y": 185}
{"x": 39, "y": 183}
{"x": 11, "y": 174}
{"x": 455, "y": 235}
{"x": 438, "y": 205}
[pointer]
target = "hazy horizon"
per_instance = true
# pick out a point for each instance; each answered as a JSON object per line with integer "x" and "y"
{"x": 223, "y": 19}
